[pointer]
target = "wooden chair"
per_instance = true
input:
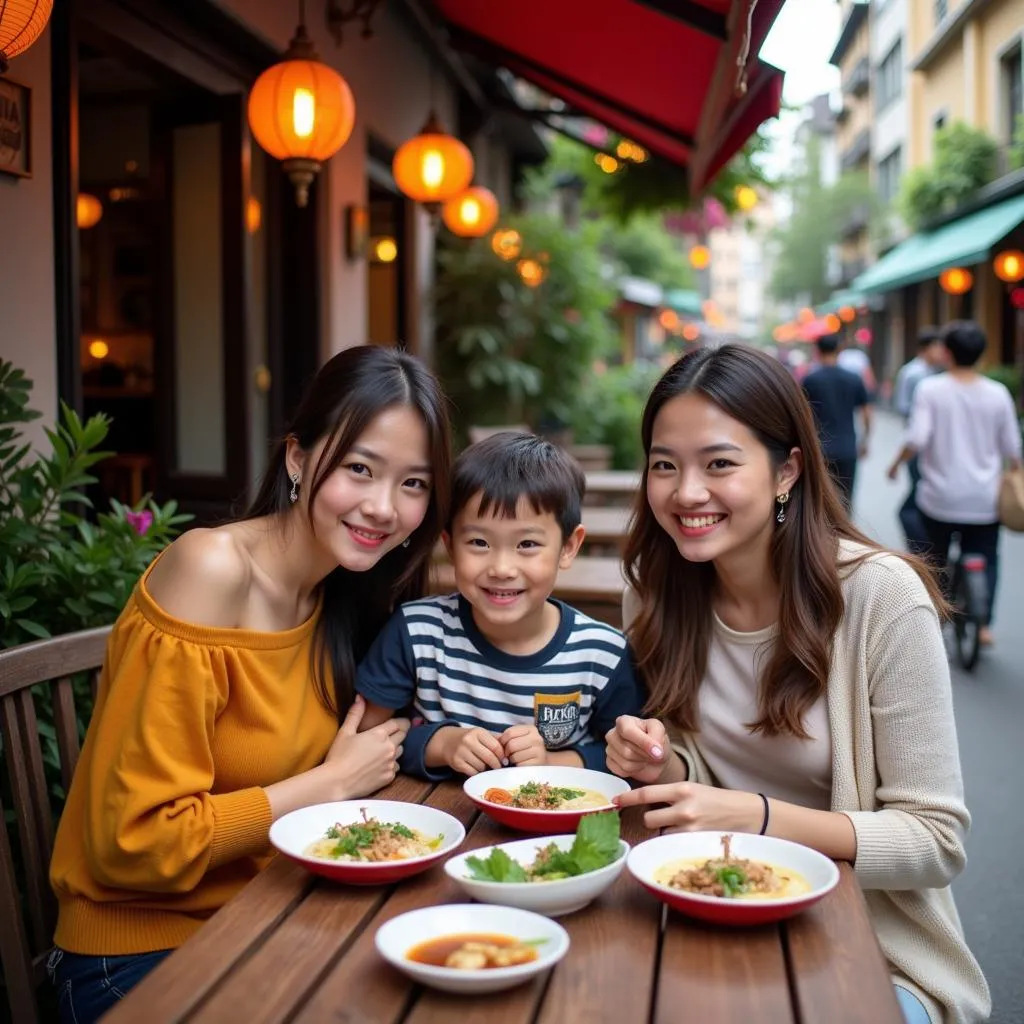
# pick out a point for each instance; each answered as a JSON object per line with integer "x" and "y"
{"x": 23, "y": 952}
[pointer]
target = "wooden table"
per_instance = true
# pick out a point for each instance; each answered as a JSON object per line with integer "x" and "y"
{"x": 292, "y": 948}
{"x": 593, "y": 583}
{"x": 611, "y": 487}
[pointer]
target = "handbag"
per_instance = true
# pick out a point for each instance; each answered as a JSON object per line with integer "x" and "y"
{"x": 1011, "y": 500}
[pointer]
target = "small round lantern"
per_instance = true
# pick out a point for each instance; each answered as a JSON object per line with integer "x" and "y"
{"x": 746, "y": 198}
{"x": 847, "y": 314}
{"x": 472, "y": 213}
{"x": 700, "y": 257}
{"x": 433, "y": 166}
{"x": 956, "y": 281}
{"x": 532, "y": 272}
{"x": 1009, "y": 265}
{"x": 88, "y": 211}
{"x": 507, "y": 244}
{"x": 302, "y": 112}
{"x": 21, "y": 23}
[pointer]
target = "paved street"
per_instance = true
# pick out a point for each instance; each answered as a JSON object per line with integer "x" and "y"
{"x": 990, "y": 720}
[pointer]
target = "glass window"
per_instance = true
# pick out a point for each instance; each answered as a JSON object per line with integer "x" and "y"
{"x": 889, "y": 76}
{"x": 1012, "y": 88}
{"x": 889, "y": 170}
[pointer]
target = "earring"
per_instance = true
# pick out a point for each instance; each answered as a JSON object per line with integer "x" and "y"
{"x": 780, "y": 516}
{"x": 406, "y": 542}
{"x": 293, "y": 494}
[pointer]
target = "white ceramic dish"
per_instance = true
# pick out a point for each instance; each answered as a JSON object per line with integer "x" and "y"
{"x": 401, "y": 934}
{"x": 549, "y": 898}
{"x": 647, "y": 858}
{"x": 293, "y": 833}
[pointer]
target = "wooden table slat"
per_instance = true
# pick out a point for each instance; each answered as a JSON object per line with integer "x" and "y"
{"x": 832, "y": 951}
{"x": 184, "y": 980}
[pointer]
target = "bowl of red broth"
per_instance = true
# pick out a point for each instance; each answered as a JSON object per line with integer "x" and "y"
{"x": 471, "y": 948}
{"x": 367, "y": 842}
{"x": 546, "y": 800}
{"x": 732, "y": 878}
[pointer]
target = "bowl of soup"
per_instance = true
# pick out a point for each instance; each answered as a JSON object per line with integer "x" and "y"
{"x": 367, "y": 842}
{"x": 471, "y": 948}
{"x": 732, "y": 878}
{"x": 548, "y": 800}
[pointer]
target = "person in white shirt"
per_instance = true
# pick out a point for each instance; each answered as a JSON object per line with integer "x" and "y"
{"x": 964, "y": 428}
{"x": 931, "y": 358}
{"x": 855, "y": 359}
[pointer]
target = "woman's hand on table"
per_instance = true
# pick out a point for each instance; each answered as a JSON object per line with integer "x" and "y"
{"x": 638, "y": 748}
{"x": 693, "y": 807}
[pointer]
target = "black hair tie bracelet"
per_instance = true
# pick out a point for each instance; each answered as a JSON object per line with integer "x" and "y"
{"x": 764, "y": 824}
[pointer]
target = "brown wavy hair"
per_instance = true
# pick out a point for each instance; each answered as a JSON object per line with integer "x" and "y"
{"x": 672, "y": 632}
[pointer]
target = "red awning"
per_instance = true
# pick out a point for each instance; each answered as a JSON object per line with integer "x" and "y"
{"x": 660, "y": 72}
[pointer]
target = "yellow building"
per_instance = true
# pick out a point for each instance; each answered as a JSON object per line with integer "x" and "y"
{"x": 852, "y": 55}
{"x": 964, "y": 65}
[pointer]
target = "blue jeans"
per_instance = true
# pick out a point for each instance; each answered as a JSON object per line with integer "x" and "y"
{"x": 913, "y": 1011}
{"x": 88, "y": 986}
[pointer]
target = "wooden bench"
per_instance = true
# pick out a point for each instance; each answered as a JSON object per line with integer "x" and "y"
{"x": 24, "y": 950}
{"x": 592, "y": 584}
{"x": 612, "y": 487}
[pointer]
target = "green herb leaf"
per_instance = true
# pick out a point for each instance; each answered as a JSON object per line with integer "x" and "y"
{"x": 733, "y": 880}
{"x": 498, "y": 867}
{"x": 597, "y": 841}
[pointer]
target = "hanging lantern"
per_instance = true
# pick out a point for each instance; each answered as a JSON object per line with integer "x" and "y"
{"x": 88, "y": 211}
{"x": 253, "y": 215}
{"x": 956, "y": 281}
{"x": 472, "y": 213}
{"x": 691, "y": 332}
{"x": 21, "y": 23}
{"x": 532, "y": 272}
{"x": 607, "y": 163}
{"x": 507, "y": 244}
{"x": 432, "y": 166}
{"x": 746, "y": 198}
{"x": 301, "y": 111}
{"x": 1009, "y": 266}
{"x": 832, "y": 323}
{"x": 384, "y": 249}
{"x": 847, "y": 314}
{"x": 700, "y": 257}
{"x": 669, "y": 319}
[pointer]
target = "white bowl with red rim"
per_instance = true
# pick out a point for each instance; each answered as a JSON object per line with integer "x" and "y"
{"x": 648, "y": 858}
{"x": 293, "y": 833}
{"x": 397, "y": 938}
{"x": 541, "y": 821}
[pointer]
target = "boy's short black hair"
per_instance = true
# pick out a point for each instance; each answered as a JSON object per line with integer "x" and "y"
{"x": 509, "y": 466}
{"x": 928, "y": 336}
{"x": 827, "y": 344}
{"x": 965, "y": 341}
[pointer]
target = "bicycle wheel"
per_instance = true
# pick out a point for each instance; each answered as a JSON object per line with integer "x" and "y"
{"x": 970, "y": 598}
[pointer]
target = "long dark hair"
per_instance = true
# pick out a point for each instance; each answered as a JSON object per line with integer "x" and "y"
{"x": 672, "y": 632}
{"x": 348, "y": 393}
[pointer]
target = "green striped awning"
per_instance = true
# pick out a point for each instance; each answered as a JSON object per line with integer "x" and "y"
{"x": 960, "y": 243}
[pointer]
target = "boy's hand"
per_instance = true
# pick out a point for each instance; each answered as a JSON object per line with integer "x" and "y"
{"x": 473, "y": 750}
{"x": 524, "y": 745}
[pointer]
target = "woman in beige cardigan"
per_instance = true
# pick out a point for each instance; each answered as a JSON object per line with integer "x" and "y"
{"x": 796, "y": 672}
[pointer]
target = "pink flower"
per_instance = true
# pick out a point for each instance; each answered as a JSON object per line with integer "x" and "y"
{"x": 142, "y": 521}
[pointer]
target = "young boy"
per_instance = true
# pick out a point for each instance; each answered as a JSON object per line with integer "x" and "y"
{"x": 501, "y": 673}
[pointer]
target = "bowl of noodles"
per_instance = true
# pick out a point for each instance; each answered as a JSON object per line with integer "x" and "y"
{"x": 367, "y": 842}
{"x": 732, "y": 878}
{"x": 545, "y": 800}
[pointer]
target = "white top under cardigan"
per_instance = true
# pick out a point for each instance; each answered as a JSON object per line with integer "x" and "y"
{"x": 895, "y": 773}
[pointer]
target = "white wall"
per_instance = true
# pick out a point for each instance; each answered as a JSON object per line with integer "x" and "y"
{"x": 27, "y": 319}
{"x": 889, "y": 130}
{"x": 393, "y": 84}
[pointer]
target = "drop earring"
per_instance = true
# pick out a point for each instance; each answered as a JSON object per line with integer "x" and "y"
{"x": 406, "y": 542}
{"x": 293, "y": 494}
{"x": 780, "y": 516}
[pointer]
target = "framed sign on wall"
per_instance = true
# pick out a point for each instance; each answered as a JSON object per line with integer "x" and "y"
{"x": 15, "y": 129}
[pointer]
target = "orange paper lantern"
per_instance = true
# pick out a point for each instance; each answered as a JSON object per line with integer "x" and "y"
{"x": 700, "y": 257}
{"x": 746, "y": 198}
{"x": 88, "y": 211}
{"x": 1009, "y": 265}
{"x": 847, "y": 314}
{"x": 956, "y": 281}
{"x": 21, "y": 23}
{"x": 833, "y": 323}
{"x": 301, "y": 112}
{"x": 531, "y": 272}
{"x": 507, "y": 244}
{"x": 432, "y": 166}
{"x": 472, "y": 213}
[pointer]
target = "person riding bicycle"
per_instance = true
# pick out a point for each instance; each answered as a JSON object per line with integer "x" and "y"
{"x": 964, "y": 428}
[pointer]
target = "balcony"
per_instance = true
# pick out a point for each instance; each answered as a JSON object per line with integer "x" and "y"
{"x": 856, "y": 221}
{"x": 858, "y": 80}
{"x": 857, "y": 152}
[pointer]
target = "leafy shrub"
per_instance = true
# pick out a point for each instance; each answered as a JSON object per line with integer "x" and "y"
{"x": 613, "y": 410}
{"x": 59, "y": 571}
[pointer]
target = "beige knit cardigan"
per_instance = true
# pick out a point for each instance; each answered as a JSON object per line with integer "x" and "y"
{"x": 896, "y": 776}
